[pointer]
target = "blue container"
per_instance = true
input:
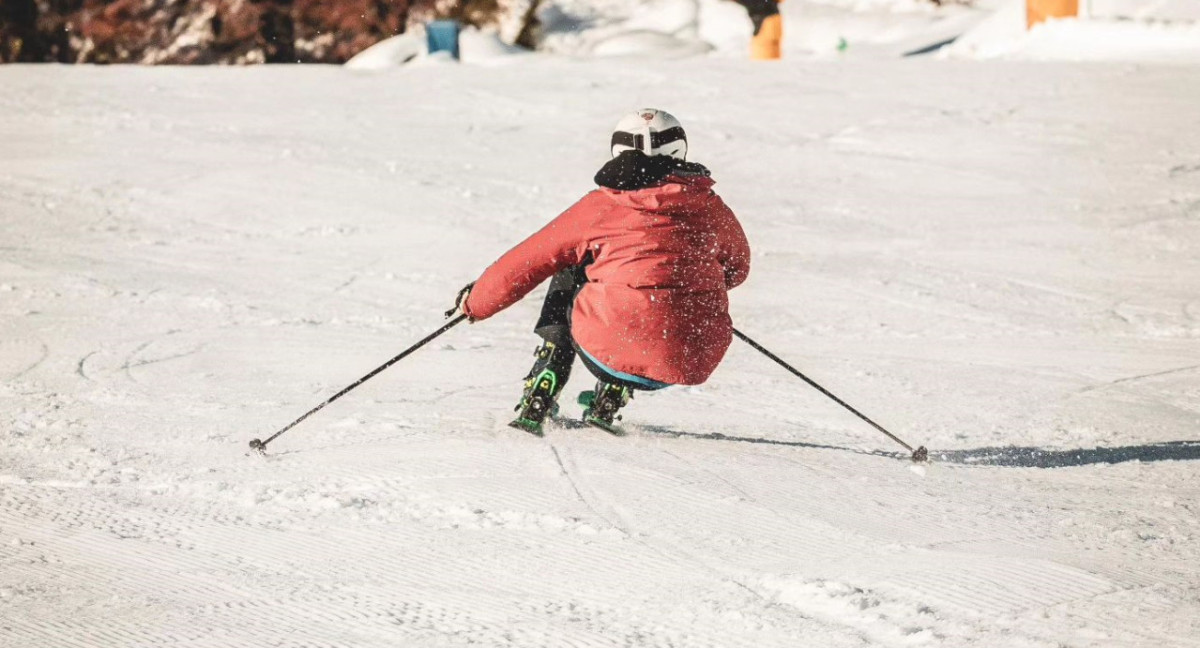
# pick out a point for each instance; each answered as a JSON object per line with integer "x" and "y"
{"x": 443, "y": 36}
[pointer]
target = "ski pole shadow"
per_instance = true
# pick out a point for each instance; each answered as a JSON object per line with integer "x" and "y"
{"x": 661, "y": 430}
{"x": 1010, "y": 457}
{"x": 1031, "y": 457}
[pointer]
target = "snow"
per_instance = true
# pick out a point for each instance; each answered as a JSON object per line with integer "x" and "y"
{"x": 475, "y": 47}
{"x": 392, "y": 52}
{"x": 1142, "y": 31}
{"x": 998, "y": 260}
{"x": 634, "y": 43}
{"x": 1103, "y": 35}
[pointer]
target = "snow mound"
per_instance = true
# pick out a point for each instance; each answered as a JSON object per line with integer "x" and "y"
{"x": 481, "y": 47}
{"x": 1108, "y": 35}
{"x": 1109, "y": 40}
{"x": 872, "y": 29}
{"x": 660, "y": 29}
{"x": 1171, "y": 10}
{"x": 475, "y": 46}
{"x": 391, "y": 52}
{"x": 646, "y": 42}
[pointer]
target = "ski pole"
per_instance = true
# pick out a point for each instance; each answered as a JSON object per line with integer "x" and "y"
{"x": 920, "y": 454}
{"x": 261, "y": 446}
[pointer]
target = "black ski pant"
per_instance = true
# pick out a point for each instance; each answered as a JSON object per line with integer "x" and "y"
{"x": 759, "y": 11}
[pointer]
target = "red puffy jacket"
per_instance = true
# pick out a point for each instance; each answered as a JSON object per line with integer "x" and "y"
{"x": 655, "y": 304}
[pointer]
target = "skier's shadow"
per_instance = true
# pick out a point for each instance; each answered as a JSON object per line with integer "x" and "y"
{"x": 1012, "y": 456}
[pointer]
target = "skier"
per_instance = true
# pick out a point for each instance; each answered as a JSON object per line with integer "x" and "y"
{"x": 640, "y": 271}
{"x": 766, "y": 44}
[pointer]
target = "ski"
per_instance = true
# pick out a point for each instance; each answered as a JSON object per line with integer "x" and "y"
{"x": 527, "y": 425}
{"x": 611, "y": 428}
{"x": 602, "y": 415}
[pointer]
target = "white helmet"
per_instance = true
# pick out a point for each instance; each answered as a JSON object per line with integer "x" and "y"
{"x": 651, "y": 131}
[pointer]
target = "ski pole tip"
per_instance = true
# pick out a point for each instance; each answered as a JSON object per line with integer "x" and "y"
{"x": 920, "y": 455}
{"x": 258, "y": 446}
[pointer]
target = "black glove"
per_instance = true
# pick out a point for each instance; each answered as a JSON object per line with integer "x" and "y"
{"x": 460, "y": 300}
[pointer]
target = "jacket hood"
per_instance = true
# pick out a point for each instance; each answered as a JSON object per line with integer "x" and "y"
{"x": 654, "y": 183}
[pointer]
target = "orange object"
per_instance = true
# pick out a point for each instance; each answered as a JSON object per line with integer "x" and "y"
{"x": 767, "y": 44}
{"x": 1037, "y": 11}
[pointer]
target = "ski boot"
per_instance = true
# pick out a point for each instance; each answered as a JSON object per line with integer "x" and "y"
{"x": 602, "y": 404}
{"x": 542, "y": 386}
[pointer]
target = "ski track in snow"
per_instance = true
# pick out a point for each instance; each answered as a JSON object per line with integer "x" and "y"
{"x": 1001, "y": 266}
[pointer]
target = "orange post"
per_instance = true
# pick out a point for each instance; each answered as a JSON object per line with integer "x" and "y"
{"x": 767, "y": 43}
{"x": 1037, "y": 11}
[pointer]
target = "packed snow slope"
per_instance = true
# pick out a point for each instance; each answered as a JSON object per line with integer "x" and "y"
{"x": 999, "y": 261}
